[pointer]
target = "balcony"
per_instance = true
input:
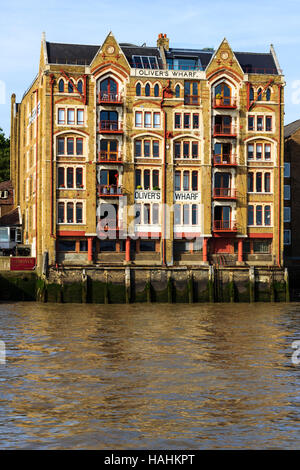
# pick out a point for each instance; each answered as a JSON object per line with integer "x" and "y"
{"x": 225, "y": 160}
{"x": 224, "y": 226}
{"x": 109, "y": 157}
{"x": 224, "y": 193}
{"x": 224, "y": 103}
{"x": 109, "y": 98}
{"x": 192, "y": 100}
{"x": 224, "y": 130}
{"x": 109, "y": 190}
{"x": 111, "y": 127}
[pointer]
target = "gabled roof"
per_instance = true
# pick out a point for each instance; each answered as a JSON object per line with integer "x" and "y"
{"x": 11, "y": 218}
{"x": 254, "y": 62}
{"x": 291, "y": 128}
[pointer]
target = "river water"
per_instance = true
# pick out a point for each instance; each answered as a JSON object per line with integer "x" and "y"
{"x": 149, "y": 376}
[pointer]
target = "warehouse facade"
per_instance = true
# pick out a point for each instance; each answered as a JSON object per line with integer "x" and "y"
{"x": 150, "y": 155}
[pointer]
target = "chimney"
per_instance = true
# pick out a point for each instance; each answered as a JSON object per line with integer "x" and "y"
{"x": 163, "y": 41}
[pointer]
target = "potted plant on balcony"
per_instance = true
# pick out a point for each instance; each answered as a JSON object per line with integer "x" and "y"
{"x": 139, "y": 187}
{"x": 156, "y": 188}
{"x": 104, "y": 189}
{"x": 218, "y": 99}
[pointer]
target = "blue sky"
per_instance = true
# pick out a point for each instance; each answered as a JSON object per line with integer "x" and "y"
{"x": 248, "y": 26}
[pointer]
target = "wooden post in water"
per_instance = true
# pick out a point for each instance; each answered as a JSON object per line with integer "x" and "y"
{"x": 272, "y": 290}
{"x": 127, "y": 285}
{"x": 170, "y": 288}
{"x": 211, "y": 283}
{"x": 84, "y": 287}
{"x": 148, "y": 287}
{"x": 287, "y": 285}
{"x": 251, "y": 284}
{"x": 231, "y": 287}
{"x": 106, "y": 299}
{"x": 190, "y": 286}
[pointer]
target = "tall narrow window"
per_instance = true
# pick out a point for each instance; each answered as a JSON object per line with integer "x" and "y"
{"x": 61, "y": 116}
{"x": 195, "y": 181}
{"x": 61, "y": 212}
{"x": 259, "y": 123}
{"x": 268, "y": 94}
{"x": 258, "y": 215}
{"x": 70, "y": 212}
{"x": 186, "y": 214}
{"x": 137, "y": 216}
{"x": 258, "y": 182}
{"x": 138, "y": 148}
{"x": 70, "y": 177}
{"x": 186, "y": 120}
{"x": 267, "y": 215}
{"x": 79, "y": 146}
{"x": 79, "y": 86}
{"x": 70, "y": 146}
{"x": 250, "y": 182}
{"x": 194, "y": 214}
{"x": 155, "y": 213}
{"x": 177, "y": 214}
{"x": 138, "y": 119}
{"x": 80, "y": 117}
{"x": 267, "y": 152}
{"x": 147, "y": 117}
{"x": 177, "y": 148}
{"x": 194, "y": 149}
{"x": 250, "y": 215}
{"x": 61, "y": 146}
{"x": 156, "y": 90}
{"x": 61, "y": 86}
{"x": 267, "y": 182}
{"x": 155, "y": 179}
{"x": 250, "y": 151}
{"x": 251, "y": 94}
{"x": 177, "y": 121}
{"x": 250, "y": 123}
{"x": 61, "y": 177}
{"x": 155, "y": 148}
{"x": 70, "y": 86}
{"x": 146, "y": 148}
{"x": 79, "y": 178}
{"x": 156, "y": 120}
{"x": 195, "y": 121}
{"x": 186, "y": 180}
{"x": 177, "y": 181}
{"x": 79, "y": 212}
{"x": 138, "y": 178}
{"x": 177, "y": 91}
{"x": 147, "y": 90}
{"x": 138, "y": 89}
{"x": 146, "y": 179}
{"x": 259, "y": 94}
{"x": 186, "y": 149}
{"x": 70, "y": 116}
{"x": 268, "y": 123}
{"x": 258, "y": 151}
{"x": 146, "y": 213}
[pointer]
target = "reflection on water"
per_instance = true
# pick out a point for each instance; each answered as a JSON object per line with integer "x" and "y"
{"x": 149, "y": 376}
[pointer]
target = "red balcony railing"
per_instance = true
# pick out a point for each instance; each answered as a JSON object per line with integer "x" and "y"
{"x": 110, "y": 157}
{"x": 110, "y": 126}
{"x": 109, "y": 190}
{"x": 192, "y": 99}
{"x": 224, "y": 226}
{"x": 109, "y": 98}
{"x": 224, "y": 160}
{"x": 224, "y": 130}
{"x": 224, "y": 102}
{"x": 224, "y": 193}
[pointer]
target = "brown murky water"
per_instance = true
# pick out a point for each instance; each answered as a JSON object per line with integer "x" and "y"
{"x": 149, "y": 376}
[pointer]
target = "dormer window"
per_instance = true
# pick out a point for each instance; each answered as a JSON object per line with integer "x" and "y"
{"x": 145, "y": 62}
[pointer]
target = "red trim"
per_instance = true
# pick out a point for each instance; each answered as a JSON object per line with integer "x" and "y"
{"x": 71, "y": 233}
{"x": 148, "y": 234}
{"x": 260, "y": 235}
{"x": 108, "y": 66}
{"x": 186, "y": 235}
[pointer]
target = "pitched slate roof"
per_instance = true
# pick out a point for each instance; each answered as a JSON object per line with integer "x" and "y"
{"x": 251, "y": 62}
{"x": 11, "y": 218}
{"x": 291, "y": 128}
{"x": 70, "y": 53}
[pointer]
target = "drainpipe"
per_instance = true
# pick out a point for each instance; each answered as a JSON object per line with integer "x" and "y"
{"x": 36, "y": 172}
{"x": 51, "y": 155}
{"x": 163, "y": 232}
{"x": 279, "y": 176}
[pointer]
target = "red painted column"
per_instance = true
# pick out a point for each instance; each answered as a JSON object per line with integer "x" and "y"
{"x": 205, "y": 249}
{"x": 127, "y": 249}
{"x": 90, "y": 249}
{"x": 240, "y": 250}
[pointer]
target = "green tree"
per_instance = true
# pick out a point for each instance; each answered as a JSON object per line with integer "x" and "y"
{"x": 4, "y": 156}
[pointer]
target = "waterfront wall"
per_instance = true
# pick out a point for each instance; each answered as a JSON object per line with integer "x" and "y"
{"x": 148, "y": 284}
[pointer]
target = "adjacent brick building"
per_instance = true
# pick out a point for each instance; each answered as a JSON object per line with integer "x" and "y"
{"x": 133, "y": 131}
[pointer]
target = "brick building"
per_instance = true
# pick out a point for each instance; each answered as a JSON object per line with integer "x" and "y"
{"x": 151, "y": 155}
{"x": 292, "y": 193}
{"x": 6, "y": 197}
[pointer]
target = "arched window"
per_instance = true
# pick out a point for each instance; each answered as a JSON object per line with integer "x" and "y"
{"x": 147, "y": 90}
{"x": 177, "y": 91}
{"x": 138, "y": 89}
{"x": 223, "y": 92}
{"x": 109, "y": 89}
{"x": 259, "y": 95}
{"x": 70, "y": 87}
{"x": 61, "y": 86}
{"x": 79, "y": 86}
{"x": 251, "y": 94}
{"x": 156, "y": 90}
{"x": 268, "y": 94}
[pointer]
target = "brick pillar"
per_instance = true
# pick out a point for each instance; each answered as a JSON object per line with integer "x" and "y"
{"x": 127, "y": 249}
{"x": 205, "y": 249}
{"x": 90, "y": 249}
{"x": 240, "y": 250}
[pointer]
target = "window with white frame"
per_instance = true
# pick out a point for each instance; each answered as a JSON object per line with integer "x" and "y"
{"x": 186, "y": 120}
{"x": 147, "y": 214}
{"x": 259, "y": 182}
{"x": 70, "y": 146}
{"x": 259, "y": 151}
{"x": 70, "y": 212}
{"x": 70, "y": 177}
{"x": 259, "y": 215}
{"x": 147, "y": 119}
{"x": 186, "y": 214}
{"x": 186, "y": 149}
{"x": 70, "y": 116}
{"x": 260, "y": 123}
{"x": 146, "y": 148}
